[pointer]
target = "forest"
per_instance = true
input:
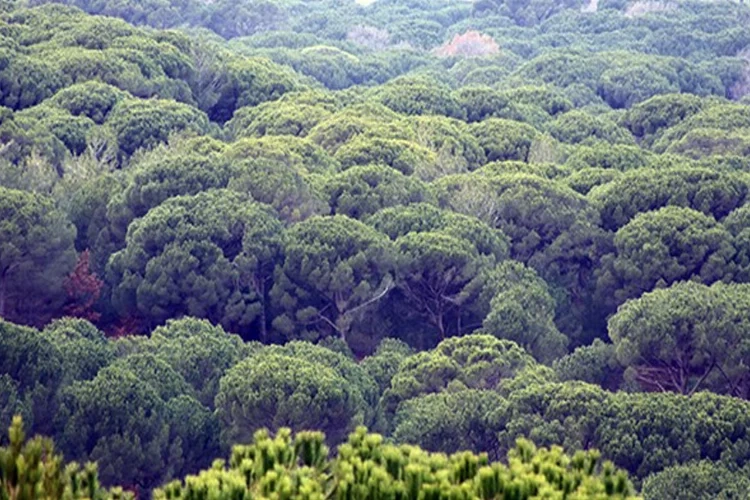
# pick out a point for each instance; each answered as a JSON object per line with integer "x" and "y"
{"x": 374, "y": 249}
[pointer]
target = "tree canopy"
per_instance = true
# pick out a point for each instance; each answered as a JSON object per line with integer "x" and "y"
{"x": 246, "y": 228}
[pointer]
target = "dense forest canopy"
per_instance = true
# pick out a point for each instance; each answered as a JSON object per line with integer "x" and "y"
{"x": 511, "y": 238}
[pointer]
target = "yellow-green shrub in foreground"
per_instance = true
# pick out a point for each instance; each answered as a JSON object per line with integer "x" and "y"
{"x": 299, "y": 466}
{"x": 31, "y": 470}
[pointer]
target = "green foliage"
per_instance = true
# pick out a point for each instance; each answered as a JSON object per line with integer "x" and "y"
{"x": 367, "y": 120}
{"x": 335, "y": 269}
{"x": 273, "y": 390}
{"x": 36, "y": 253}
{"x": 83, "y": 348}
{"x": 286, "y": 188}
{"x": 484, "y": 72}
{"x": 714, "y": 193}
{"x": 33, "y": 468}
{"x": 33, "y": 368}
{"x": 210, "y": 255}
{"x": 361, "y": 191}
{"x": 610, "y": 156}
{"x": 144, "y": 124}
{"x": 26, "y": 81}
{"x": 345, "y": 179}
{"x": 696, "y": 481}
{"x": 552, "y": 228}
{"x": 276, "y": 118}
{"x": 121, "y": 421}
{"x": 656, "y": 249}
{"x": 472, "y": 361}
{"x": 549, "y": 98}
{"x": 418, "y": 96}
{"x": 200, "y": 352}
{"x": 719, "y": 116}
{"x": 68, "y": 47}
{"x": 455, "y": 148}
{"x": 595, "y": 364}
{"x": 295, "y": 153}
{"x": 26, "y": 145}
{"x": 383, "y": 364}
{"x": 452, "y": 421}
{"x": 422, "y": 217}
{"x": 563, "y": 68}
{"x": 711, "y": 142}
{"x": 72, "y": 131}
{"x": 362, "y": 385}
{"x": 504, "y": 139}
{"x": 92, "y": 99}
{"x": 628, "y": 427}
{"x": 685, "y": 338}
{"x": 11, "y": 404}
{"x": 527, "y": 13}
{"x": 624, "y": 86}
{"x": 248, "y": 82}
{"x": 579, "y": 127}
{"x": 585, "y": 180}
{"x": 399, "y": 221}
{"x": 736, "y": 223}
{"x": 442, "y": 257}
{"x": 481, "y": 102}
{"x": 232, "y": 19}
{"x": 366, "y": 467}
{"x": 156, "y": 372}
{"x": 334, "y": 64}
{"x": 404, "y": 156}
{"x": 652, "y": 116}
{"x": 521, "y": 309}
{"x": 182, "y": 169}
{"x": 436, "y": 274}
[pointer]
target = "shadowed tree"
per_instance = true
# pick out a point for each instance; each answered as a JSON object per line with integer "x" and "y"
{"x": 335, "y": 269}
{"x": 210, "y": 255}
{"x": 656, "y": 249}
{"x": 121, "y": 420}
{"x": 471, "y": 361}
{"x": 273, "y": 391}
{"x": 686, "y": 338}
{"x": 36, "y": 254}
{"x": 521, "y": 309}
{"x": 436, "y": 275}
{"x": 361, "y": 191}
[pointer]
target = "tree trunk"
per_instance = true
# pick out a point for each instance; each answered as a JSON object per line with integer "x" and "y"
{"x": 263, "y": 329}
{"x": 263, "y": 314}
{"x": 3, "y": 293}
{"x": 439, "y": 321}
{"x": 342, "y": 324}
